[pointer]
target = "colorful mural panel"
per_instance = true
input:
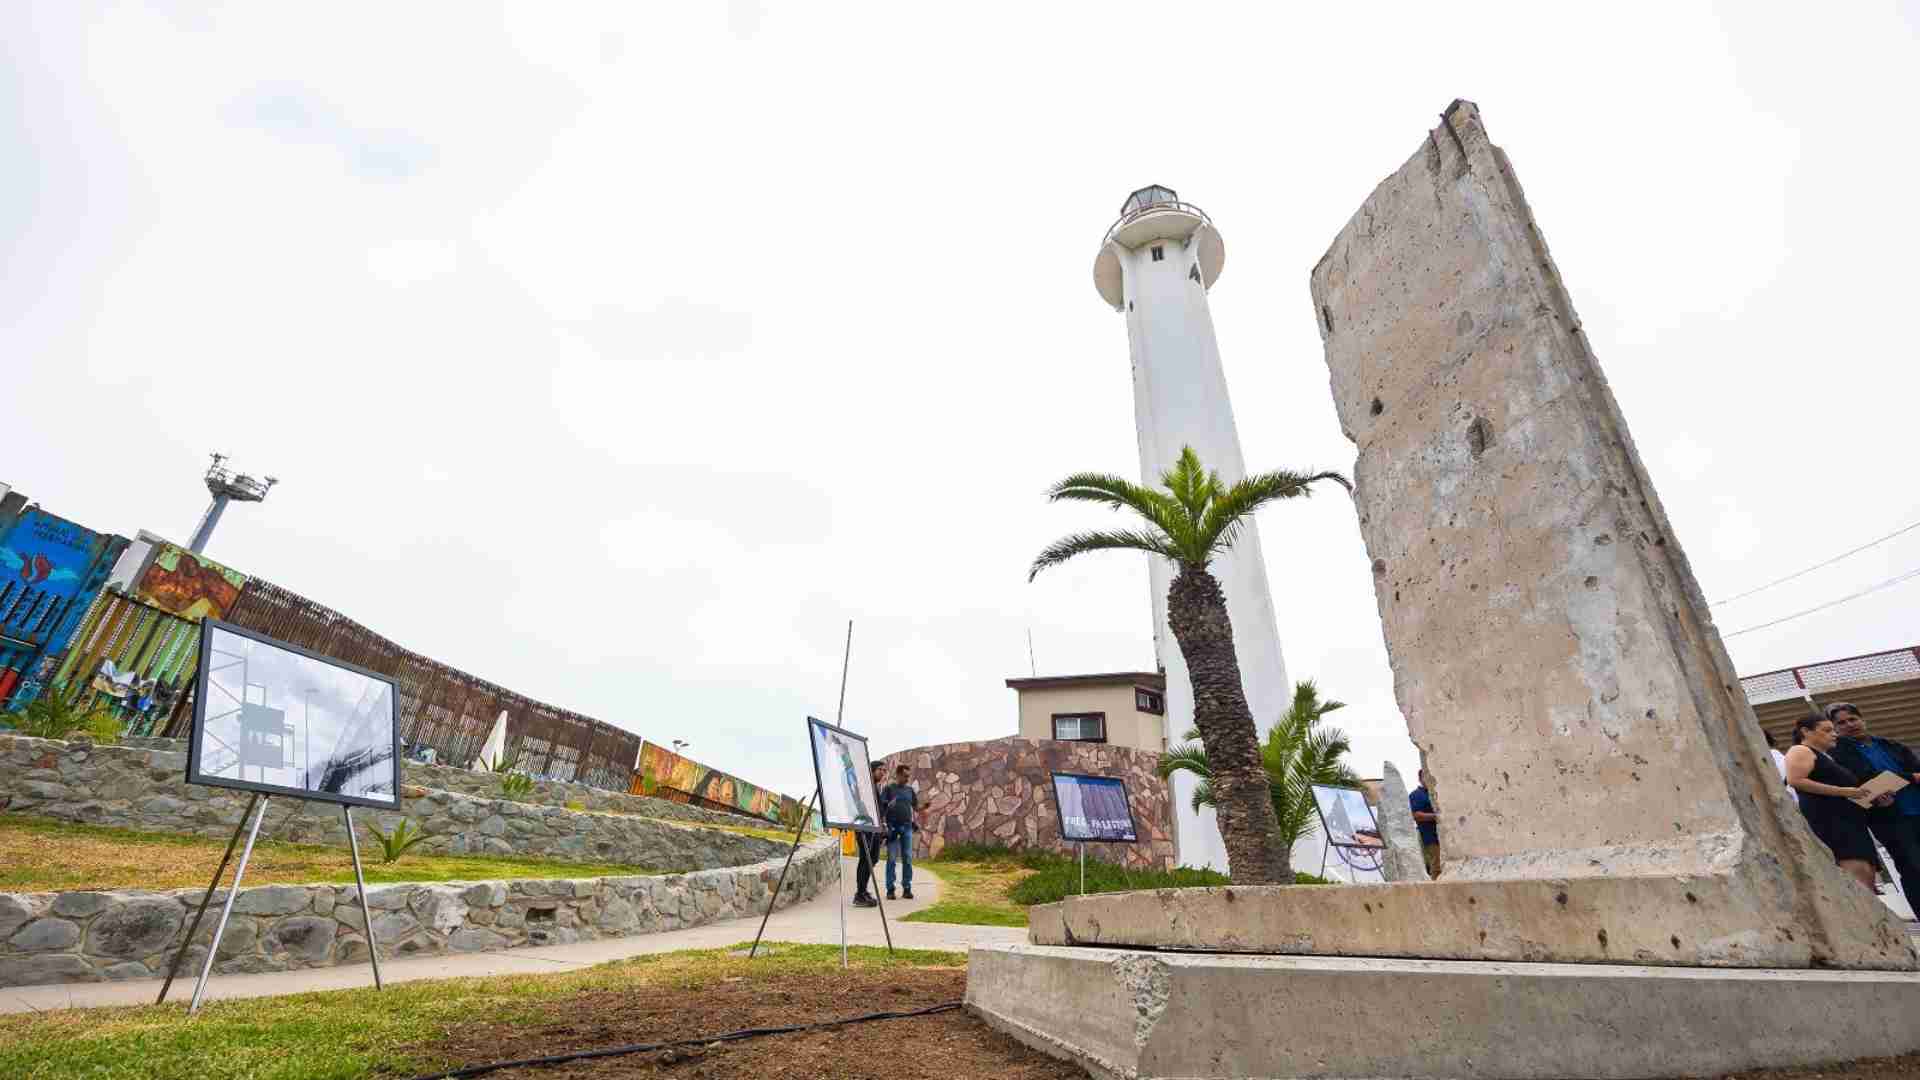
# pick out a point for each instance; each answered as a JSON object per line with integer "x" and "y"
{"x": 665, "y": 774}
{"x": 190, "y": 586}
{"x": 50, "y": 570}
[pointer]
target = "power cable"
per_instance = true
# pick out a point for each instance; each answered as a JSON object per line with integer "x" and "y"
{"x": 1816, "y": 566}
{"x": 1890, "y": 582}
{"x": 641, "y": 1048}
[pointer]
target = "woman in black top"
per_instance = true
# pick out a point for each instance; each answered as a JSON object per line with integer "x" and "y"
{"x": 1825, "y": 786}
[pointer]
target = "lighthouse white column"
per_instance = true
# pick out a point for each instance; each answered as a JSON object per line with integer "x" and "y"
{"x": 1180, "y": 399}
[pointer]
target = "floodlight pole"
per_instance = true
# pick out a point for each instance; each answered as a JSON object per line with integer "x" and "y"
{"x": 174, "y": 968}
{"x": 226, "y": 910}
{"x": 366, "y": 913}
{"x": 1083, "y": 868}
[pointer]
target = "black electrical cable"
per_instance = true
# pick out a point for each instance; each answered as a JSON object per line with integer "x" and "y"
{"x": 641, "y": 1048}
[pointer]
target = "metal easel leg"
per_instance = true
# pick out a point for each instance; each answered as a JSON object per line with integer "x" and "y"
{"x": 882, "y": 908}
{"x": 366, "y": 913}
{"x": 1083, "y": 868}
{"x": 226, "y": 910}
{"x": 805, "y": 817}
{"x": 174, "y": 968}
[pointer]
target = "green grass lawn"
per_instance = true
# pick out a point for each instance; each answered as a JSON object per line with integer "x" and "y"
{"x": 982, "y": 885}
{"x": 40, "y": 855}
{"x": 351, "y": 1034}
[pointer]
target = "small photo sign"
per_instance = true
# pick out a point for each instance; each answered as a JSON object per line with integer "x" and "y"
{"x": 1093, "y": 808}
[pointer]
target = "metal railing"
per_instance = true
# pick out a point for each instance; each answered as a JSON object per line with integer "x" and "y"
{"x": 1165, "y": 206}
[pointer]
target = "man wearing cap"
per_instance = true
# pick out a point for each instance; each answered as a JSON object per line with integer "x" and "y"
{"x": 1895, "y": 820}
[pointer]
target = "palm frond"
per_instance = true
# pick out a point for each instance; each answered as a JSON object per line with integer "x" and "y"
{"x": 1187, "y": 757}
{"x": 1080, "y": 543}
{"x": 1230, "y": 508}
{"x": 1119, "y": 493}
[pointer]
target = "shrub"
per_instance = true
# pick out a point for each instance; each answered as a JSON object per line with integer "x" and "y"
{"x": 395, "y": 844}
{"x": 516, "y": 786}
{"x": 502, "y": 763}
{"x": 576, "y": 804}
{"x": 48, "y": 717}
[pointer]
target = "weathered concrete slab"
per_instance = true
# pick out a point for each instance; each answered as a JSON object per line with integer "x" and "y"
{"x": 1137, "y": 1014}
{"x": 1551, "y": 651}
{"x": 1402, "y": 861}
{"x": 1678, "y": 920}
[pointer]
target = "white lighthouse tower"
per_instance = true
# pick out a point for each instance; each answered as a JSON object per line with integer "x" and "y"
{"x": 1155, "y": 267}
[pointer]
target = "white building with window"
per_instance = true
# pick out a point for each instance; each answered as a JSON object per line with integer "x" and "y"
{"x": 1125, "y": 708}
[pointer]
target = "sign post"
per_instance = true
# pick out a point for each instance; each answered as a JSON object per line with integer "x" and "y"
{"x": 1093, "y": 808}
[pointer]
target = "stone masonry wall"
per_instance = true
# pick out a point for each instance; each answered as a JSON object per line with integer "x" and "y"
{"x": 135, "y": 788}
{"x": 1001, "y": 792}
{"x": 100, "y": 936}
{"x": 486, "y": 785}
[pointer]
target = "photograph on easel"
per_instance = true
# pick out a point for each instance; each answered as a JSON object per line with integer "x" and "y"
{"x": 841, "y": 768}
{"x": 1347, "y": 818}
{"x": 276, "y": 719}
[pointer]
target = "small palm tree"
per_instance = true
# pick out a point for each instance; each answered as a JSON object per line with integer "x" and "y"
{"x": 1196, "y": 517}
{"x": 1298, "y": 753}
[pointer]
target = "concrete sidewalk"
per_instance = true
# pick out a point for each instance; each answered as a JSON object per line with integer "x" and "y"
{"x": 815, "y": 922}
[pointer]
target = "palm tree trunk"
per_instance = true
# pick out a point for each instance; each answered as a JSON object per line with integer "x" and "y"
{"x": 1197, "y": 612}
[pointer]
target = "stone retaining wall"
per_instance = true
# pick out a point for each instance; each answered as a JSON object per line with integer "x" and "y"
{"x": 99, "y": 936}
{"x": 486, "y": 785}
{"x": 136, "y": 788}
{"x": 1001, "y": 792}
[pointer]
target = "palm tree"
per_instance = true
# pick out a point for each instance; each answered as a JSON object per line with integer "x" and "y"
{"x": 1297, "y": 754}
{"x": 1195, "y": 518}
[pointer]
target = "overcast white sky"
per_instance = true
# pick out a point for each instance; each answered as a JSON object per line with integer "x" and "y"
{"x": 621, "y": 353}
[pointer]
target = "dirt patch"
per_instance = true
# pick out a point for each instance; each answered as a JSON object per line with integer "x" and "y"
{"x": 943, "y": 1046}
{"x": 1900, "y": 1068}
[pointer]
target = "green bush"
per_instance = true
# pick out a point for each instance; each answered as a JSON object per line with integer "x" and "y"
{"x": 516, "y": 786}
{"x": 576, "y": 804}
{"x": 48, "y": 717}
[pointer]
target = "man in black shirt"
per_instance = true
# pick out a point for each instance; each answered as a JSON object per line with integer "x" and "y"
{"x": 899, "y": 806}
{"x": 868, "y": 847}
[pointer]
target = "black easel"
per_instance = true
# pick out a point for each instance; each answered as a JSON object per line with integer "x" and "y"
{"x": 860, "y": 846}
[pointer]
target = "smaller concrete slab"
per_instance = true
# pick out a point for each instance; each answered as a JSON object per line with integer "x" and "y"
{"x": 1121, "y": 1013}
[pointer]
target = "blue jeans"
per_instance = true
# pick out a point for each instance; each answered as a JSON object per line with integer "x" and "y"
{"x": 900, "y": 846}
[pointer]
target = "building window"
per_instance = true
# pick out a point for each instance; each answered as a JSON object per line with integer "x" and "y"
{"x": 1149, "y": 701}
{"x": 1080, "y": 727}
{"x": 1159, "y": 254}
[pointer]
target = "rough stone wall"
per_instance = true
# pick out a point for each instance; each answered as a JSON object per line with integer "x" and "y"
{"x": 99, "y": 936}
{"x": 1001, "y": 792}
{"x": 134, "y": 788}
{"x": 1551, "y": 650}
{"x": 486, "y": 785}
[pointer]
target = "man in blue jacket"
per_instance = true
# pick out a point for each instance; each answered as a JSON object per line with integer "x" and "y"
{"x": 1896, "y": 821}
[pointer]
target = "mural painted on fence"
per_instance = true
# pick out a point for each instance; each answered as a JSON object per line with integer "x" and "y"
{"x": 665, "y": 774}
{"x": 47, "y": 555}
{"x": 50, "y": 570}
{"x": 189, "y": 585}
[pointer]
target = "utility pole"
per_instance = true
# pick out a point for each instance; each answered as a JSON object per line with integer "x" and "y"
{"x": 226, "y": 486}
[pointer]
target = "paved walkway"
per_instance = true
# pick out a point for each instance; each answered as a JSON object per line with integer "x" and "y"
{"x": 815, "y": 922}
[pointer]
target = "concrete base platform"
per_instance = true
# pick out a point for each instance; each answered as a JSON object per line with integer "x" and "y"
{"x": 1719, "y": 920}
{"x": 1124, "y": 1013}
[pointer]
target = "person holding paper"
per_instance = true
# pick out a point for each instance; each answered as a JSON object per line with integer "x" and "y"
{"x": 1827, "y": 789}
{"x": 1894, "y": 819}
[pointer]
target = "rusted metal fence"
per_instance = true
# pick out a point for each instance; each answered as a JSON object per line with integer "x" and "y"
{"x": 442, "y": 707}
{"x": 140, "y": 661}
